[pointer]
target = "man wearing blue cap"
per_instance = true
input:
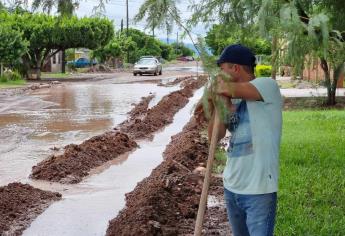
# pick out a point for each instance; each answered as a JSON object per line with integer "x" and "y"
{"x": 251, "y": 173}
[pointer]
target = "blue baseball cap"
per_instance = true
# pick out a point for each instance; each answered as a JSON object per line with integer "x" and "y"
{"x": 237, "y": 54}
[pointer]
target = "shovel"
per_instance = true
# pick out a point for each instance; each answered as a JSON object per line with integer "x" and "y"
{"x": 206, "y": 185}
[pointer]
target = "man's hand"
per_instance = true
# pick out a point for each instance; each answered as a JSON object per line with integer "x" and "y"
{"x": 223, "y": 86}
{"x": 243, "y": 90}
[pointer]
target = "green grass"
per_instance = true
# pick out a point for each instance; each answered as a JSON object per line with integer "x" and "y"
{"x": 12, "y": 84}
{"x": 220, "y": 158}
{"x": 55, "y": 75}
{"x": 312, "y": 183}
{"x": 311, "y": 197}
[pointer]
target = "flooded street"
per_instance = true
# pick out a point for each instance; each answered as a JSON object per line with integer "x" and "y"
{"x": 31, "y": 125}
{"x": 87, "y": 207}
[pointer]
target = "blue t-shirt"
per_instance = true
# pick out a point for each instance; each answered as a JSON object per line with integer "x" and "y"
{"x": 253, "y": 154}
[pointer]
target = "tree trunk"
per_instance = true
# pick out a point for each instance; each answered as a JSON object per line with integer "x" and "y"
{"x": 63, "y": 61}
{"x": 327, "y": 75}
{"x": 167, "y": 36}
{"x": 336, "y": 75}
{"x": 1, "y": 69}
{"x": 274, "y": 56}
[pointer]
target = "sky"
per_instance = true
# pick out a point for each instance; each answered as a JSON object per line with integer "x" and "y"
{"x": 116, "y": 10}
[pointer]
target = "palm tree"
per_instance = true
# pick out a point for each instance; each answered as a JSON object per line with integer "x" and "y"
{"x": 64, "y": 7}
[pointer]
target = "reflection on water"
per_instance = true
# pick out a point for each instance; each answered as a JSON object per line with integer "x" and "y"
{"x": 32, "y": 124}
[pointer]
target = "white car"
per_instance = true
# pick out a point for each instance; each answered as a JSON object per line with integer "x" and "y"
{"x": 147, "y": 65}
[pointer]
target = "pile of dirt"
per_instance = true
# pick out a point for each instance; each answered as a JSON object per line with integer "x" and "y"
{"x": 162, "y": 114}
{"x": 99, "y": 68}
{"x": 166, "y": 202}
{"x": 77, "y": 160}
{"x": 140, "y": 109}
{"x": 20, "y": 204}
{"x": 175, "y": 81}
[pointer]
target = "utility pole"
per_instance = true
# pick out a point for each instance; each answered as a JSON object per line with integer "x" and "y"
{"x": 121, "y": 25}
{"x": 176, "y": 42}
{"x": 127, "y": 28}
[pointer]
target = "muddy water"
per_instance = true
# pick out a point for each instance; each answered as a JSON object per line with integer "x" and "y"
{"x": 87, "y": 207}
{"x": 30, "y": 125}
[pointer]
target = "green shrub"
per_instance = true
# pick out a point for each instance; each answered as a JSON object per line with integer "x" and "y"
{"x": 263, "y": 71}
{"x": 71, "y": 67}
{"x": 3, "y": 79}
{"x": 13, "y": 76}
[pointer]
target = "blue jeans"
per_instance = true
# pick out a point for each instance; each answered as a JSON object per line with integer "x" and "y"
{"x": 251, "y": 215}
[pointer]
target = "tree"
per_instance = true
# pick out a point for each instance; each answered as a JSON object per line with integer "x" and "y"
{"x": 142, "y": 44}
{"x": 158, "y": 14}
{"x": 221, "y": 35}
{"x": 12, "y": 45}
{"x": 302, "y": 27}
{"x": 47, "y": 35}
{"x": 65, "y": 8}
{"x": 2, "y": 6}
{"x": 182, "y": 50}
{"x": 111, "y": 51}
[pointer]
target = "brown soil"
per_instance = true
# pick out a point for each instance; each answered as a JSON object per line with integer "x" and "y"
{"x": 175, "y": 81}
{"x": 140, "y": 109}
{"x": 78, "y": 160}
{"x": 20, "y": 204}
{"x": 166, "y": 202}
{"x": 162, "y": 114}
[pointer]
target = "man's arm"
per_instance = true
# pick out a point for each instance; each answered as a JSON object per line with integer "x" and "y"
{"x": 243, "y": 90}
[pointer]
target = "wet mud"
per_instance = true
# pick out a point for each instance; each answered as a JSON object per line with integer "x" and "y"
{"x": 175, "y": 81}
{"x": 162, "y": 114}
{"x": 166, "y": 202}
{"x": 77, "y": 160}
{"x": 180, "y": 184}
{"x": 140, "y": 109}
{"x": 20, "y": 204}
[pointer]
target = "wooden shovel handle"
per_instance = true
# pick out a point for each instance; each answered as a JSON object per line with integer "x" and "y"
{"x": 206, "y": 185}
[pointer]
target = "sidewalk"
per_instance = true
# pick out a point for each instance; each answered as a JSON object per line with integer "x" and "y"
{"x": 318, "y": 92}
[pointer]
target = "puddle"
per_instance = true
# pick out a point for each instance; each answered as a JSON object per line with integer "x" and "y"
{"x": 32, "y": 124}
{"x": 87, "y": 207}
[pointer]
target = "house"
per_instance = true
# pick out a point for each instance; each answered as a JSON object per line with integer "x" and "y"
{"x": 313, "y": 72}
{"x": 54, "y": 64}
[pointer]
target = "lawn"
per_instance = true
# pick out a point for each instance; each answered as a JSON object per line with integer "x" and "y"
{"x": 55, "y": 75}
{"x": 12, "y": 84}
{"x": 312, "y": 183}
{"x": 312, "y": 174}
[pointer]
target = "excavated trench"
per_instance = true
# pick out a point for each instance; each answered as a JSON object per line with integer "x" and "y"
{"x": 103, "y": 168}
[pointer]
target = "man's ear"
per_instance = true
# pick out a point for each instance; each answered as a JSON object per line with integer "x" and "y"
{"x": 237, "y": 68}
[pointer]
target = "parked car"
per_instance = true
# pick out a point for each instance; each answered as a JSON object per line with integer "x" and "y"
{"x": 185, "y": 58}
{"x": 82, "y": 62}
{"x": 147, "y": 65}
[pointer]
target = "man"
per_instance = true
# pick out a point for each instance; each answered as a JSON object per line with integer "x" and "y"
{"x": 251, "y": 173}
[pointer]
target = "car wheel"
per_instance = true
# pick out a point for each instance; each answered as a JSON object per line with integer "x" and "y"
{"x": 140, "y": 74}
{"x": 155, "y": 74}
{"x": 160, "y": 73}
{"x": 135, "y": 74}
